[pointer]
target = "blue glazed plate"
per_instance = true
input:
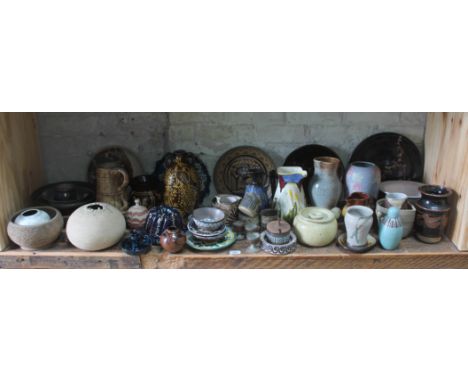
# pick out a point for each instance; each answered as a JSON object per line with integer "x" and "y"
{"x": 199, "y": 245}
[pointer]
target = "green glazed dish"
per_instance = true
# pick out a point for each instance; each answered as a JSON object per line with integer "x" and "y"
{"x": 199, "y": 245}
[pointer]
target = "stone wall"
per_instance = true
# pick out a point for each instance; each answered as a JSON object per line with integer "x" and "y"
{"x": 69, "y": 140}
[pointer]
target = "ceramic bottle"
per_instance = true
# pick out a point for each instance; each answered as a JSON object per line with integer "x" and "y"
{"x": 173, "y": 240}
{"x": 391, "y": 230}
{"x": 363, "y": 177}
{"x": 289, "y": 198}
{"x": 325, "y": 187}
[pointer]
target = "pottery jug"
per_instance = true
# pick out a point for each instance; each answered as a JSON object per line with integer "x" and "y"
{"x": 289, "y": 198}
{"x": 136, "y": 216}
{"x": 432, "y": 213}
{"x": 173, "y": 240}
{"x": 316, "y": 227}
{"x": 95, "y": 226}
{"x": 325, "y": 187}
{"x": 111, "y": 185}
{"x": 181, "y": 186}
{"x": 229, "y": 204}
{"x": 358, "y": 223}
{"x": 363, "y": 177}
{"x": 391, "y": 230}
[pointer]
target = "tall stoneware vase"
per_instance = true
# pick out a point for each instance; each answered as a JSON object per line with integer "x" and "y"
{"x": 325, "y": 188}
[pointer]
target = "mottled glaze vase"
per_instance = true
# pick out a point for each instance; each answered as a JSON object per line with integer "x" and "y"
{"x": 432, "y": 213}
{"x": 363, "y": 177}
{"x": 161, "y": 218}
{"x": 181, "y": 186}
{"x": 391, "y": 230}
{"x": 325, "y": 187}
{"x": 173, "y": 240}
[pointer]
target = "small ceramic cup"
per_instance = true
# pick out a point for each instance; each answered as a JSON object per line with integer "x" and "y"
{"x": 358, "y": 223}
{"x": 396, "y": 199}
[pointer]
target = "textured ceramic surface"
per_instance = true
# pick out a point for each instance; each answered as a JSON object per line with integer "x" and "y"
{"x": 136, "y": 216}
{"x": 407, "y": 216}
{"x": 32, "y": 216}
{"x": 325, "y": 188}
{"x": 161, "y": 218}
{"x": 194, "y": 243}
{"x": 111, "y": 185}
{"x": 229, "y": 204}
{"x": 287, "y": 248}
{"x": 363, "y": 177}
{"x": 432, "y": 213}
{"x": 391, "y": 230}
{"x": 95, "y": 227}
{"x": 36, "y": 236}
{"x": 173, "y": 240}
{"x": 137, "y": 243}
{"x": 316, "y": 227}
{"x": 358, "y": 221}
{"x": 290, "y": 198}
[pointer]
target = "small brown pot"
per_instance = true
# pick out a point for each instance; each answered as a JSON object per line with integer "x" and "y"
{"x": 173, "y": 240}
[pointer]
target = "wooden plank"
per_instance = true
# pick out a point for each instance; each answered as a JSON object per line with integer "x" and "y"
{"x": 446, "y": 163}
{"x": 20, "y": 165}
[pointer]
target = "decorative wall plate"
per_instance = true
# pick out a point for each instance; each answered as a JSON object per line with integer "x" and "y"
{"x": 231, "y": 170}
{"x": 397, "y": 157}
{"x": 229, "y": 239}
{"x": 190, "y": 158}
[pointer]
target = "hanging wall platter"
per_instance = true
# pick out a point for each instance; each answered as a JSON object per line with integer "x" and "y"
{"x": 166, "y": 161}
{"x": 124, "y": 157}
{"x": 397, "y": 157}
{"x": 231, "y": 170}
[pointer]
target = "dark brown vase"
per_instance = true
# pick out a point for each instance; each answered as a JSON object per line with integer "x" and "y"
{"x": 432, "y": 213}
{"x": 173, "y": 240}
{"x": 181, "y": 186}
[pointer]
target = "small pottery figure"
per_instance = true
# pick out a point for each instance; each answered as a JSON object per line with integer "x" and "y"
{"x": 363, "y": 177}
{"x": 159, "y": 219}
{"x": 356, "y": 199}
{"x": 173, "y": 240}
{"x": 136, "y": 244}
{"x": 358, "y": 222}
{"x": 31, "y": 217}
{"x": 136, "y": 215}
{"x": 229, "y": 204}
{"x": 325, "y": 187}
{"x": 39, "y": 235}
{"x": 145, "y": 188}
{"x": 289, "y": 198}
{"x": 432, "y": 213}
{"x": 95, "y": 226}
{"x": 391, "y": 230}
{"x": 181, "y": 186}
{"x": 316, "y": 227}
{"x": 111, "y": 185}
{"x": 407, "y": 215}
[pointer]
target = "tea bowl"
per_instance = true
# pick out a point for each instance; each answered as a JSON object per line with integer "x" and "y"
{"x": 208, "y": 218}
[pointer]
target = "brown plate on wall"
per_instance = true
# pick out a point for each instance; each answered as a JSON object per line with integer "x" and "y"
{"x": 232, "y": 168}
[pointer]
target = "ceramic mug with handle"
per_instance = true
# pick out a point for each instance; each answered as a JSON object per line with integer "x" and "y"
{"x": 229, "y": 204}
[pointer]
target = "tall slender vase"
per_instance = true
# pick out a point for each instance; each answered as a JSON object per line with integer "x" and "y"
{"x": 325, "y": 188}
{"x": 363, "y": 177}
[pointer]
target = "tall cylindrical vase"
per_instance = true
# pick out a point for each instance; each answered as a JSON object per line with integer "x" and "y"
{"x": 363, "y": 177}
{"x": 325, "y": 187}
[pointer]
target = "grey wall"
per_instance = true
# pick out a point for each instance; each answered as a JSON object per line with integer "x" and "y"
{"x": 69, "y": 140}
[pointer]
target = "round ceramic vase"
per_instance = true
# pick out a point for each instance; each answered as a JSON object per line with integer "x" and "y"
{"x": 136, "y": 216}
{"x": 173, "y": 240}
{"x": 95, "y": 227}
{"x": 358, "y": 221}
{"x": 325, "y": 188}
{"x": 363, "y": 177}
{"x": 391, "y": 230}
{"x": 316, "y": 227}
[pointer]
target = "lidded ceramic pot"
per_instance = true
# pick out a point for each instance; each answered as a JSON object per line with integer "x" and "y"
{"x": 432, "y": 213}
{"x": 363, "y": 177}
{"x": 173, "y": 240}
{"x": 278, "y": 232}
{"x": 95, "y": 227}
{"x": 325, "y": 187}
{"x": 316, "y": 227}
{"x": 136, "y": 216}
{"x": 391, "y": 229}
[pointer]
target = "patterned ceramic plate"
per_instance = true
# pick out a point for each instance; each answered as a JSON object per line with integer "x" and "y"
{"x": 232, "y": 168}
{"x": 199, "y": 245}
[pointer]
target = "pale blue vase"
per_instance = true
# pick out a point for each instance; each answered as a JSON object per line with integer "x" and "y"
{"x": 391, "y": 230}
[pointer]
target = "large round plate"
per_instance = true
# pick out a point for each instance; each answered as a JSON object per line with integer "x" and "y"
{"x": 233, "y": 166}
{"x": 192, "y": 159}
{"x": 198, "y": 245}
{"x": 397, "y": 157}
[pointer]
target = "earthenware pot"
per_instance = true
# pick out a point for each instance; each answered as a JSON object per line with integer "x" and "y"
{"x": 229, "y": 204}
{"x": 173, "y": 240}
{"x": 363, "y": 177}
{"x": 289, "y": 198}
{"x": 36, "y": 236}
{"x": 358, "y": 221}
{"x": 432, "y": 213}
{"x": 95, "y": 226}
{"x": 111, "y": 185}
{"x": 391, "y": 229}
{"x": 146, "y": 188}
{"x": 136, "y": 215}
{"x": 316, "y": 227}
{"x": 407, "y": 215}
{"x": 181, "y": 186}
{"x": 159, "y": 219}
{"x": 325, "y": 187}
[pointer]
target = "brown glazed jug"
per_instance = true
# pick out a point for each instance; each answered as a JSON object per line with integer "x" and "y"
{"x": 181, "y": 186}
{"x": 111, "y": 185}
{"x": 172, "y": 240}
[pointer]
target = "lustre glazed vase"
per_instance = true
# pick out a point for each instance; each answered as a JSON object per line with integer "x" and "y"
{"x": 325, "y": 187}
{"x": 173, "y": 240}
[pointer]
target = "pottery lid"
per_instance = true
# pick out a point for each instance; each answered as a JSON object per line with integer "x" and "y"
{"x": 137, "y": 207}
{"x": 279, "y": 227}
{"x": 317, "y": 215}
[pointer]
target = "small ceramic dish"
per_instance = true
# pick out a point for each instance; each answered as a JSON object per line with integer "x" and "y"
{"x": 371, "y": 243}
{"x": 208, "y": 218}
{"x": 229, "y": 239}
{"x": 279, "y": 249}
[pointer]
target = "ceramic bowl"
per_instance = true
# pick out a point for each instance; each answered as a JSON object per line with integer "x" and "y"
{"x": 407, "y": 215}
{"x": 32, "y": 216}
{"x": 38, "y": 236}
{"x": 208, "y": 218}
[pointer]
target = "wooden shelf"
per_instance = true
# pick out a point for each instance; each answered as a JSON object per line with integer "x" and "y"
{"x": 411, "y": 254}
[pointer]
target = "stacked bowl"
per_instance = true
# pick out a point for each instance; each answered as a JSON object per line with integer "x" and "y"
{"x": 208, "y": 225}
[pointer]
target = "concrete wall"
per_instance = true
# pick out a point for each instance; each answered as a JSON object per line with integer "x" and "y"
{"x": 70, "y": 139}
